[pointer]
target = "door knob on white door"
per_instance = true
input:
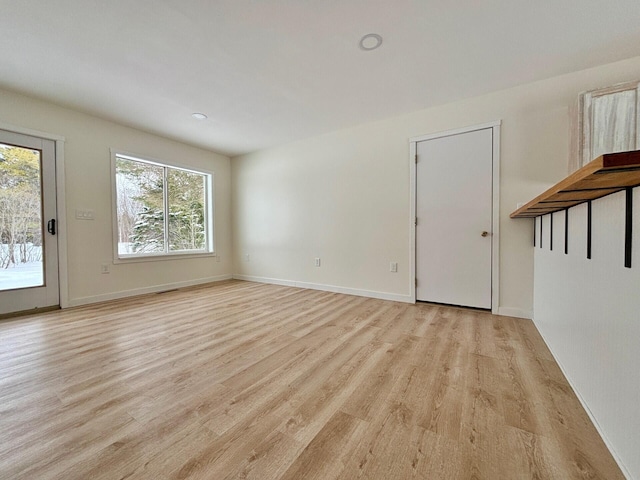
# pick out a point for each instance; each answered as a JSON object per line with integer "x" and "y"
{"x": 484, "y": 234}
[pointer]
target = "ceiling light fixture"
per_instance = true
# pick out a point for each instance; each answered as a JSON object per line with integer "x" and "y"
{"x": 370, "y": 41}
{"x": 199, "y": 116}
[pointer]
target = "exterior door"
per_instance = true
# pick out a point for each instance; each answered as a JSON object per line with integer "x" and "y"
{"x": 28, "y": 241}
{"x": 454, "y": 219}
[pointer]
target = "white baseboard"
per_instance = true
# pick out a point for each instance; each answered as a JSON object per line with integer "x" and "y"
{"x": 141, "y": 291}
{"x": 273, "y": 281}
{"x": 328, "y": 288}
{"x": 515, "y": 312}
{"x": 584, "y": 404}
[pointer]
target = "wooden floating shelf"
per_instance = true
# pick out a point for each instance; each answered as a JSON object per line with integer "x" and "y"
{"x": 606, "y": 174}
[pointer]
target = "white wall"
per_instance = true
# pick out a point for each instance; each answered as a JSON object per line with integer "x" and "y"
{"x": 589, "y": 314}
{"x": 88, "y": 186}
{"x": 344, "y": 196}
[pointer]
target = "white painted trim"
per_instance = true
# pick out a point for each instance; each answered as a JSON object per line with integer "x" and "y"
{"x": 31, "y": 132}
{"x": 141, "y": 291}
{"x": 495, "y": 220}
{"x": 515, "y": 312}
{"x": 457, "y": 131}
{"x": 271, "y": 281}
{"x": 606, "y": 441}
{"x": 412, "y": 219}
{"x": 495, "y": 215}
{"x": 63, "y": 259}
{"x": 327, "y": 288}
{"x": 137, "y": 157}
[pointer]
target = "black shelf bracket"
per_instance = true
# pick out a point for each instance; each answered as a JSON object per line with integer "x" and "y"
{"x": 589, "y": 229}
{"x": 566, "y": 231}
{"x": 628, "y": 227}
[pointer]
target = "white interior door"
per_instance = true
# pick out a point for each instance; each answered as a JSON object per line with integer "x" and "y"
{"x": 28, "y": 241}
{"x": 454, "y": 219}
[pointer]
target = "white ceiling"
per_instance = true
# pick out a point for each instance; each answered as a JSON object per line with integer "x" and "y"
{"x": 273, "y": 71}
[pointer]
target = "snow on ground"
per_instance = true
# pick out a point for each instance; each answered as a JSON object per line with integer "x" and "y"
{"x": 21, "y": 276}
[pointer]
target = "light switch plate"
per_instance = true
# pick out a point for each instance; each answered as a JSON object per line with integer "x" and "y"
{"x": 84, "y": 214}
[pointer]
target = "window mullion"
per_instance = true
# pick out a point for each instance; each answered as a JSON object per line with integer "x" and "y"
{"x": 165, "y": 198}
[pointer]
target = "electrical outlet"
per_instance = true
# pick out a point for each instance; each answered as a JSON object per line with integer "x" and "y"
{"x": 218, "y": 258}
{"x": 317, "y": 262}
{"x": 393, "y": 267}
{"x": 247, "y": 257}
{"x": 104, "y": 268}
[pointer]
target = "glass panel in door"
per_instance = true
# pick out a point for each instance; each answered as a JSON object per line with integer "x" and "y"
{"x": 21, "y": 252}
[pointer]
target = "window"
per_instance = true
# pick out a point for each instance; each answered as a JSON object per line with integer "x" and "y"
{"x": 609, "y": 121}
{"x": 161, "y": 209}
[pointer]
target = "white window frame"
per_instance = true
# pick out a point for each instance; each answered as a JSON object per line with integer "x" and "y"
{"x": 587, "y": 122}
{"x": 208, "y": 251}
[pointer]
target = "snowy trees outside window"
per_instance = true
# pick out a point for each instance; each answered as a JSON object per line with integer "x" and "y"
{"x": 161, "y": 209}
{"x": 20, "y": 208}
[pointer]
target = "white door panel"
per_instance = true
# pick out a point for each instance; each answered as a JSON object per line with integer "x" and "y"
{"x": 29, "y": 276}
{"x": 453, "y": 209}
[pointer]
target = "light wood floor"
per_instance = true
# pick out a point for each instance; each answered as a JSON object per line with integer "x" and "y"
{"x": 242, "y": 380}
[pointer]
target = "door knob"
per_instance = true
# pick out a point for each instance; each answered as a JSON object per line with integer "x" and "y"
{"x": 484, "y": 234}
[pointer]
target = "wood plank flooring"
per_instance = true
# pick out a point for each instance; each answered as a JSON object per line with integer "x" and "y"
{"x": 239, "y": 380}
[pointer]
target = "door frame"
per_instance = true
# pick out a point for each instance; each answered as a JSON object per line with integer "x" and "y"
{"x": 495, "y": 203}
{"x": 61, "y": 214}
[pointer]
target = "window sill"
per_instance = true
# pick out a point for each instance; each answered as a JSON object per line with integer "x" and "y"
{"x": 160, "y": 257}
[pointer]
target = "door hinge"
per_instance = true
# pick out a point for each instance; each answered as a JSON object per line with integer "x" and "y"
{"x": 415, "y": 222}
{"x": 416, "y": 158}
{"x": 416, "y": 282}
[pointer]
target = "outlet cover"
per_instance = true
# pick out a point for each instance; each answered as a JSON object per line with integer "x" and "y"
{"x": 85, "y": 214}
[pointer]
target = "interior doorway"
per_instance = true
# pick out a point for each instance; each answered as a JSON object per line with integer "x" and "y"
{"x": 455, "y": 217}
